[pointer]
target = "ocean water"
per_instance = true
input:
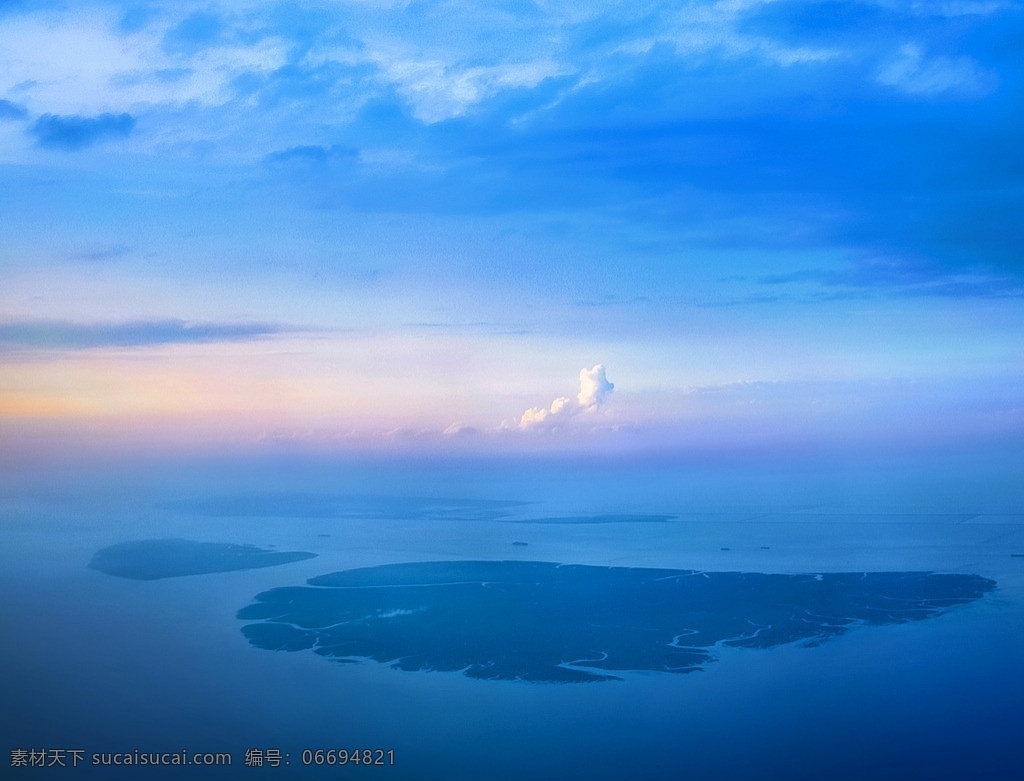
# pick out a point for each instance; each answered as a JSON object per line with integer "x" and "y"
{"x": 142, "y": 610}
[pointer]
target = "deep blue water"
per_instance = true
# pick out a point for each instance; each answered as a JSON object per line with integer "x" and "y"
{"x": 897, "y": 674}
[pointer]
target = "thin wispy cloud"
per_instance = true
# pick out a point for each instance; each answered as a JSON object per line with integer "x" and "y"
{"x": 916, "y": 74}
{"x": 111, "y": 252}
{"x": 900, "y": 278}
{"x": 68, "y": 335}
{"x": 311, "y": 154}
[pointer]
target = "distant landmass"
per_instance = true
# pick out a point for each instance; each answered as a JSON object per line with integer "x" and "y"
{"x": 354, "y": 506}
{"x": 155, "y": 559}
{"x": 384, "y": 508}
{"x": 544, "y": 622}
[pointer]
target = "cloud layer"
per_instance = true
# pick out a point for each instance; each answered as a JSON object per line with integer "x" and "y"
{"x": 67, "y": 335}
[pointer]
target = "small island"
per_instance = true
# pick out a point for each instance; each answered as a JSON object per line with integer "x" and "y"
{"x": 173, "y": 558}
{"x": 545, "y": 622}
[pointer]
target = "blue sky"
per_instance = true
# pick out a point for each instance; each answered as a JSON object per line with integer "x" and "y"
{"x": 369, "y": 224}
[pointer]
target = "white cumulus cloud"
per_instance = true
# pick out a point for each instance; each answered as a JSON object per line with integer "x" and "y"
{"x": 594, "y": 390}
{"x": 594, "y": 387}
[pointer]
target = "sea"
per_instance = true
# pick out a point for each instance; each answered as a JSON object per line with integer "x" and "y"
{"x": 513, "y": 617}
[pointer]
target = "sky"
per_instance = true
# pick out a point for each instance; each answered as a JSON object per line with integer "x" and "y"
{"x": 611, "y": 226}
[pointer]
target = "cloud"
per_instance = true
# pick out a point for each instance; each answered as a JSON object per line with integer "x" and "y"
{"x": 459, "y": 429}
{"x": 311, "y": 154}
{"x": 10, "y": 110}
{"x": 901, "y": 277}
{"x": 72, "y": 133}
{"x": 437, "y": 91}
{"x": 111, "y": 252}
{"x": 67, "y": 335}
{"x": 947, "y": 8}
{"x": 916, "y": 74}
{"x": 84, "y": 61}
{"x": 594, "y": 389}
{"x": 683, "y": 143}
